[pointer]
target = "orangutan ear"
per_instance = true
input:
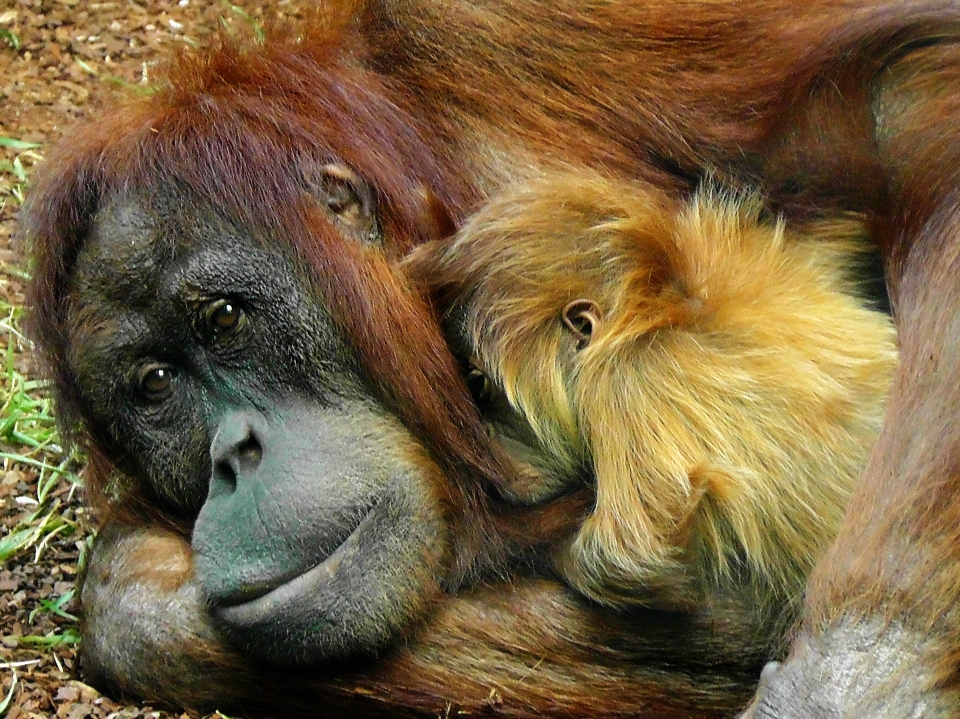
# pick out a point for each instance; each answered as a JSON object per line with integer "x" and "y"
{"x": 349, "y": 199}
{"x": 582, "y": 318}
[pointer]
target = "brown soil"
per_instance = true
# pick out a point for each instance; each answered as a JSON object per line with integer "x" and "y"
{"x": 73, "y": 55}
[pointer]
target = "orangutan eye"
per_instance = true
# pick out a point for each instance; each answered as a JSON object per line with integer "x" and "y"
{"x": 156, "y": 381}
{"x": 223, "y": 317}
{"x": 479, "y": 385}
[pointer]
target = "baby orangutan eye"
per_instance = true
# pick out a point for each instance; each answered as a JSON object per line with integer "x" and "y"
{"x": 155, "y": 381}
{"x": 479, "y": 385}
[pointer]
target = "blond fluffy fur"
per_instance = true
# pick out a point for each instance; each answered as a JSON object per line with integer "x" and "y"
{"x": 726, "y": 401}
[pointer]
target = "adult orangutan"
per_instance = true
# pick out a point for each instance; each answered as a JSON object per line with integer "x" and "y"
{"x": 215, "y": 297}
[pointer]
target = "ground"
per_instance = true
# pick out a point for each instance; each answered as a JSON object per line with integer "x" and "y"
{"x": 62, "y": 62}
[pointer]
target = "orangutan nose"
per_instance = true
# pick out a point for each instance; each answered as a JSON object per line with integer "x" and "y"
{"x": 236, "y": 451}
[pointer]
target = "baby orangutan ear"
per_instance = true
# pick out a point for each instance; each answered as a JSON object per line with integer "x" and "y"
{"x": 351, "y": 201}
{"x": 582, "y": 318}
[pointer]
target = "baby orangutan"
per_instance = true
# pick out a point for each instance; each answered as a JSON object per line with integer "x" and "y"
{"x": 717, "y": 376}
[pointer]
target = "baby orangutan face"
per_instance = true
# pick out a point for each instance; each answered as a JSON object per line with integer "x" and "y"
{"x": 538, "y": 473}
{"x": 714, "y": 376}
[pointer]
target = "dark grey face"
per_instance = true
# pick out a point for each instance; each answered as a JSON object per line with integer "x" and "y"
{"x": 222, "y": 383}
{"x": 181, "y": 317}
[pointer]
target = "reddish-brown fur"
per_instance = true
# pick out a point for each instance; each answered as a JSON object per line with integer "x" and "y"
{"x": 829, "y": 105}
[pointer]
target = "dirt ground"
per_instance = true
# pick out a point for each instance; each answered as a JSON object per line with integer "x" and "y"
{"x": 61, "y": 63}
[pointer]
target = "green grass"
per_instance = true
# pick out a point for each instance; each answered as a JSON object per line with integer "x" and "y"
{"x": 13, "y": 173}
{"x": 69, "y": 637}
{"x": 55, "y": 606}
{"x": 28, "y": 431}
{"x": 28, "y": 425}
{"x": 10, "y": 38}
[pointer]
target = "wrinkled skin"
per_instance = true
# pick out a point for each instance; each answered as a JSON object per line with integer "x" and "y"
{"x": 235, "y": 396}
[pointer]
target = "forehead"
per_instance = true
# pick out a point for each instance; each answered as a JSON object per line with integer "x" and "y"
{"x": 125, "y": 252}
{"x": 140, "y": 242}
